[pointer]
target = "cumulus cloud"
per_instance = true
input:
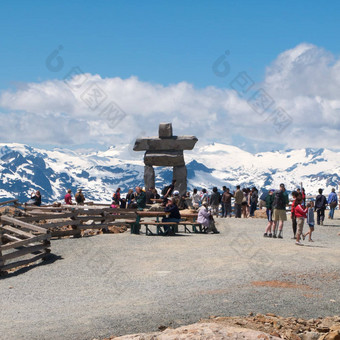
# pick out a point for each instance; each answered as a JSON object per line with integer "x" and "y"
{"x": 302, "y": 83}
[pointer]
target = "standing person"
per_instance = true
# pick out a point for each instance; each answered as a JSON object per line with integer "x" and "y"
{"x": 167, "y": 191}
{"x": 204, "y": 197}
{"x": 206, "y": 219}
{"x": 301, "y": 213}
{"x": 280, "y": 202}
{"x": 238, "y": 201}
{"x": 244, "y": 204}
{"x": 36, "y": 198}
{"x": 333, "y": 202}
{"x": 224, "y": 188}
{"x": 269, "y": 209}
{"x": 140, "y": 198}
{"x": 253, "y": 201}
{"x": 129, "y": 197}
{"x": 68, "y": 197}
{"x": 195, "y": 199}
{"x": 80, "y": 198}
{"x": 116, "y": 197}
{"x": 215, "y": 200}
{"x": 303, "y": 193}
{"x": 320, "y": 207}
{"x": 292, "y": 215}
{"x": 226, "y": 202}
{"x": 310, "y": 221}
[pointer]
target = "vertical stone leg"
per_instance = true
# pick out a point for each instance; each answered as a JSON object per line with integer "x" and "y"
{"x": 149, "y": 176}
{"x": 180, "y": 175}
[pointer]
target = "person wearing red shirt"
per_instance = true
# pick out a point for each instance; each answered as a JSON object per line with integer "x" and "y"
{"x": 68, "y": 197}
{"x": 300, "y": 213}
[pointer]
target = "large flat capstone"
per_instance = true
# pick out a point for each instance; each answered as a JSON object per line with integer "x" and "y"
{"x": 159, "y": 144}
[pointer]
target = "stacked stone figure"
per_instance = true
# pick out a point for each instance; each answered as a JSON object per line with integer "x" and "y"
{"x": 165, "y": 150}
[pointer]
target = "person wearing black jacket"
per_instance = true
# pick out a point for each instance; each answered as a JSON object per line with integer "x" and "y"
{"x": 174, "y": 214}
{"x": 320, "y": 207}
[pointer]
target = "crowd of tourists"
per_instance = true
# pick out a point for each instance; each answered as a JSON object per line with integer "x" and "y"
{"x": 239, "y": 203}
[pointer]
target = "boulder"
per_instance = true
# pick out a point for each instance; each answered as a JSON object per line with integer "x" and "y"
{"x": 165, "y": 130}
{"x": 202, "y": 331}
{"x": 165, "y": 158}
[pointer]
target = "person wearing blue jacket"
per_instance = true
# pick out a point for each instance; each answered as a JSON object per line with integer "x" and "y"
{"x": 333, "y": 202}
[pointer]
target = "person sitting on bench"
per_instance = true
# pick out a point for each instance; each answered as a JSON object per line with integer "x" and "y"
{"x": 174, "y": 214}
{"x": 206, "y": 219}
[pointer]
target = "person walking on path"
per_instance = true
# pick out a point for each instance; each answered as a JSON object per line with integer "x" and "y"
{"x": 280, "y": 202}
{"x": 68, "y": 197}
{"x": 238, "y": 201}
{"x": 333, "y": 202}
{"x": 292, "y": 215}
{"x": 253, "y": 201}
{"x": 244, "y": 204}
{"x": 215, "y": 200}
{"x": 269, "y": 209}
{"x": 226, "y": 203}
{"x": 320, "y": 207}
{"x": 310, "y": 221}
{"x": 301, "y": 213}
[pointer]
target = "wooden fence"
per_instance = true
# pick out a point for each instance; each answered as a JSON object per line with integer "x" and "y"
{"x": 21, "y": 243}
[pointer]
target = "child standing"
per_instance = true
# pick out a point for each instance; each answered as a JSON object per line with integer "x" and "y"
{"x": 301, "y": 213}
{"x": 310, "y": 221}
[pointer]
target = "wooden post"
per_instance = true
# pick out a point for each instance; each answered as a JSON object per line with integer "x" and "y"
{"x": 2, "y": 263}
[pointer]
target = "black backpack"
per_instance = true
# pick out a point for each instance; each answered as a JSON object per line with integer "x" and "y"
{"x": 279, "y": 200}
{"x": 78, "y": 198}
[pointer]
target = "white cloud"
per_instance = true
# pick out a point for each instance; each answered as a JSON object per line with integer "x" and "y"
{"x": 304, "y": 81}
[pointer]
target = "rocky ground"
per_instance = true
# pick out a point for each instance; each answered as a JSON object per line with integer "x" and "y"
{"x": 111, "y": 285}
{"x": 268, "y": 326}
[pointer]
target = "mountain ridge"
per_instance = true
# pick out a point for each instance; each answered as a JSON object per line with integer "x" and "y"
{"x": 24, "y": 168}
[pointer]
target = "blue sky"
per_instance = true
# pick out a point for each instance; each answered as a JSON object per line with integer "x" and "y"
{"x": 161, "y": 43}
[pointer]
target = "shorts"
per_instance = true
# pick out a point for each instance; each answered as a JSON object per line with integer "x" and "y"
{"x": 269, "y": 215}
{"x": 300, "y": 221}
{"x": 279, "y": 215}
{"x": 311, "y": 225}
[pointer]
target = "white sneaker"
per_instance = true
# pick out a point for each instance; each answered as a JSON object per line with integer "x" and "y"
{"x": 298, "y": 243}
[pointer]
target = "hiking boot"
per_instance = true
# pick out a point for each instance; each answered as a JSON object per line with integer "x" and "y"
{"x": 274, "y": 236}
{"x": 265, "y": 235}
{"x": 279, "y": 236}
{"x": 270, "y": 235}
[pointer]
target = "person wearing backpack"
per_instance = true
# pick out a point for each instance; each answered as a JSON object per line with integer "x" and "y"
{"x": 320, "y": 207}
{"x": 80, "y": 199}
{"x": 280, "y": 202}
{"x": 333, "y": 202}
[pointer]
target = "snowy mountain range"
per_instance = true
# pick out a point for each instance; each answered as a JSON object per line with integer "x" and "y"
{"x": 24, "y": 169}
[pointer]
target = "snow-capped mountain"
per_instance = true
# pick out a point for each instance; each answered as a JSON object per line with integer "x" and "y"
{"x": 24, "y": 169}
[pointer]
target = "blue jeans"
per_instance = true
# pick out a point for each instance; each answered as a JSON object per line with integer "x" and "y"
{"x": 253, "y": 207}
{"x": 331, "y": 213}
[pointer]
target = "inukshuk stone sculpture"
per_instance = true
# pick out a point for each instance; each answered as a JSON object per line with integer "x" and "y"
{"x": 166, "y": 150}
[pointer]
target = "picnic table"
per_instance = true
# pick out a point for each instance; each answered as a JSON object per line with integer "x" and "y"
{"x": 190, "y": 220}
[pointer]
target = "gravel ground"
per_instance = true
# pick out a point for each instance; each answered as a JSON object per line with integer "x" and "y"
{"x": 114, "y": 284}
